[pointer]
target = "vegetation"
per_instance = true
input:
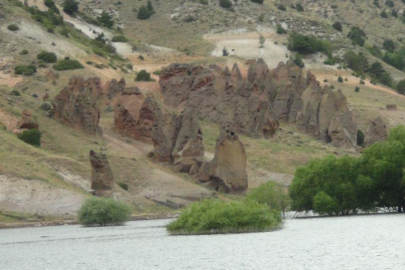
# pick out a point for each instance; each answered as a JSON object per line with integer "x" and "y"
{"x": 103, "y": 212}
{"x": 13, "y": 27}
{"x": 281, "y": 30}
{"x": 341, "y": 186}
{"x": 299, "y": 7}
{"x": 357, "y": 36}
{"x": 225, "y": 52}
{"x": 144, "y": 13}
{"x": 389, "y": 45}
{"x": 51, "y": 5}
{"x": 340, "y": 79}
{"x": 225, "y": 3}
{"x": 123, "y": 186}
{"x": 213, "y": 216}
{"x": 32, "y": 136}
{"x": 307, "y": 44}
{"x": 70, "y": 7}
{"x": 48, "y": 57}
{"x": 262, "y": 40}
{"x": 25, "y": 70}
{"x": 257, "y": 1}
{"x": 143, "y": 76}
{"x": 297, "y": 59}
{"x": 272, "y": 194}
{"x": 120, "y": 38}
{"x": 106, "y": 20}
{"x": 337, "y": 26}
{"x": 68, "y": 64}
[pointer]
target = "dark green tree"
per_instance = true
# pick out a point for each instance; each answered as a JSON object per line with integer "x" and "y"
{"x": 70, "y": 7}
{"x": 105, "y": 19}
{"x": 144, "y": 13}
{"x": 357, "y": 36}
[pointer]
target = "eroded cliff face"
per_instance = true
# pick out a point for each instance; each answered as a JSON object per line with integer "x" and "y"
{"x": 254, "y": 106}
{"x": 102, "y": 179}
{"x": 376, "y": 131}
{"x": 76, "y": 105}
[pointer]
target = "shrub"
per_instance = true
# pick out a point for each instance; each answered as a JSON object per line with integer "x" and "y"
{"x": 272, "y": 194}
{"x": 340, "y": 79}
{"x": 225, "y": 52}
{"x": 357, "y": 89}
{"x": 260, "y": 18}
{"x": 330, "y": 60}
{"x": 401, "y": 87}
{"x": 297, "y": 59}
{"x": 389, "y": 3}
{"x": 360, "y": 134}
{"x": 204, "y": 2}
{"x": 150, "y": 6}
{"x": 384, "y": 14}
{"x": 307, "y": 44}
{"x": 119, "y": 39}
{"x": 281, "y": 30}
{"x": 105, "y": 19}
{"x": 48, "y": 57}
{"x": 213, "y": 216}
{"x": 356, "y": 61}
{"x": 376, "y": 69}
{"x": 13, "y": 27}
{"x": 337, "y": 26}
{"x": 225, "y": 3}
{"x": 15, "y": 93}
{"x": 70, "y": 7}
{"x": 362, "y": 82}
{"x": 103, "y": 212}
{"x": 32, "y": 137}
{"x": 257, "y": 1}
{"x": 389, "y": 45}
{"x": 281, "y": 7}
{"x": 25, "y": 70}
{"x": 262, "y": 40}
{"x": 143, "y": 76}
{"x": 394, "y": 13}
{"x": 123, "y": 186}
{"x": 51, "y": 5}
{"x": 357, "y": 36}
{"x": 24, "y": 52}
{"x": 68, "y": 64}
{"x": 189, "y": 19}
{"x": 299, "y": 7}
{"x": 144, "y": 13}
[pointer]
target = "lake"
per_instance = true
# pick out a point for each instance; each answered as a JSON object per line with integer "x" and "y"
{"x": 356, "y": 242}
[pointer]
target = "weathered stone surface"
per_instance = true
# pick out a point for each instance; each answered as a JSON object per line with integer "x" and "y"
{"x": 254, "y": 106}
{"x": 227, "y": 170}
{"x": 179, "y": 141}
{"x": 376, "y": 131}
{"x": 76, "y": 105}
{"x": 114, "y": 88}
{"x": 135, "y": 115}
{"x": 102, "y": 179}
{"x": 27, "y": 121}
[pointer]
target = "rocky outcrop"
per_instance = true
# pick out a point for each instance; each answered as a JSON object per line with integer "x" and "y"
{"x": 254, "y": 106}
{"x": 220, "y": 96}
{"x": 102, "y": 179}
{"x": 179, "y": 142}
{"x": 227, "y": 170}
{"x": 76, "y": 105}
{"x": 27, "y": 121}
{"x": 114, "y": 88}
{"x": 376, "y": 131}
{"x": 135, "y": 115}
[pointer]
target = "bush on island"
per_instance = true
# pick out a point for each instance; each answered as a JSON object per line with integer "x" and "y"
{"x": 103, "y": 212}
{"x": 213, "y": 216}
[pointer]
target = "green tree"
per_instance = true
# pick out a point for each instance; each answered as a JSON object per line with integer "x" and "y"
{"x": 262, "y": 40}
{"x": 225, "y": 3}
{"x": 401, "y": 87}
{"x": 144, "y": 13}
{"x": 32, "y": 136}
{"x": 357, "y": 36}
{"x": 105, "y": 19}
{"x": 376, "y": 69}
{"x": 356, "y": 61}
{"x": 51, "y": 5}
{"x": 389, "y": 45}
{"x": 150, "y": 6}
{"x": 324, "y": 204}
{"x": 48, "y": 57}
{"x": 70, "y": 7}
{"x": 337, "y": 26}
{"x": 272, "y": 194}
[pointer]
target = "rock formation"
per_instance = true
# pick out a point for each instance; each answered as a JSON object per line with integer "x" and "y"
{"x": 27, "y": 121}
{"x": 114, "y": 88}
{"x": 376, "y": 131}
{"x": 179, "y": 142}
{"x": 135, "y": 115}
{"x": 102, "y": 179}
{"x": 254, "y": 106}
{"x": 227, "y": 170}
{"x": 76, "y": 105}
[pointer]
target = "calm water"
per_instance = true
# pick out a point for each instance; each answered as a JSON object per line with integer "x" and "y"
{"x": 369, "y": 242}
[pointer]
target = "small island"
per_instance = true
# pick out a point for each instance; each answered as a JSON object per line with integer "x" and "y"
{"x": 213, "y": 216}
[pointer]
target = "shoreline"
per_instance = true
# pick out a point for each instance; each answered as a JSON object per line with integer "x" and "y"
{"x": 352, "y": 215}
{"x": 64, "y": 222}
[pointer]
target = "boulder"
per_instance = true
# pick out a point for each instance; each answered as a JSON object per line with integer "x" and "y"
{"x": 27, "y": 121}
{"x": 76, "y": 105}
{"x": 376, "y": 131}
{"x": 102, "y": 179}
{"x": 227, "y": 170}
